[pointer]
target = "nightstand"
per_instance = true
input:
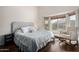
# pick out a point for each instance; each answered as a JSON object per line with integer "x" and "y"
{"x": 2, "y": 40}
{"x": 8, "y": 37}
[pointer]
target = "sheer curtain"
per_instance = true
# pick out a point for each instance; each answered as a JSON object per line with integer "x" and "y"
{"x": 77, "y": 22}
{"x": 71, "y": 23}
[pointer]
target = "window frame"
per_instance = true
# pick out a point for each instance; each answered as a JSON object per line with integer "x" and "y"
{"x": 60, "y": 17}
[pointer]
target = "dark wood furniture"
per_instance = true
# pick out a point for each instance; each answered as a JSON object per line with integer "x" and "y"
{"x": 8, "y": 37}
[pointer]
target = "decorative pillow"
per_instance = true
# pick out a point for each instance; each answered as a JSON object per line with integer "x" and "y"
{"x": 25, "y": 29}
{"x": 28, "y": 29}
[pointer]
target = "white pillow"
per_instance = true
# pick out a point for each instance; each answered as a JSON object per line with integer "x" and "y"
{"x": 25, "y": 29}
{"x": 28, "y": 29}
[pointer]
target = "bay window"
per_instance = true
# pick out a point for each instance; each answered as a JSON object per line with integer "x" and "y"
{"x": 62, "y": 22}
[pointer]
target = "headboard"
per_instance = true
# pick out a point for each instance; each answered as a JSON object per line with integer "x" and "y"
{"x": 16, "y": 25}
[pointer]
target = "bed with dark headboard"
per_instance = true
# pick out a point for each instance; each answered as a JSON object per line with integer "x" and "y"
{"x": 29, "y": 42}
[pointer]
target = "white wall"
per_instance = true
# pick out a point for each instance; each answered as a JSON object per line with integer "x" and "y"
{"x": 10, "y": 14}
{"x": 51, "y": 10}
{"x": 27, "y": 14}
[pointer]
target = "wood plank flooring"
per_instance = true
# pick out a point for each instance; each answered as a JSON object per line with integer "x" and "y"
{"x": 56, "y": 47}
{"x": 9, "y": 47}
{"x": 51, "y": 47}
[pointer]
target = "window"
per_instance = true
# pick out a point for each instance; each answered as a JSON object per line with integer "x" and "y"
{"x": 58, "y": 24}
{"x": 61, "y": 24}
{"x": 54, "y": 24}
{"x": 72, "y": 20}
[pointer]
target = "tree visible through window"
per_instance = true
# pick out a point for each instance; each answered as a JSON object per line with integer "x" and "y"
{"x": 54, "y": 24}
{"x": 58, "y": 24}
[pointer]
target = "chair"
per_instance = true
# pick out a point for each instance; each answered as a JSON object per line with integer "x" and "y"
{"x": 73, "y": 37}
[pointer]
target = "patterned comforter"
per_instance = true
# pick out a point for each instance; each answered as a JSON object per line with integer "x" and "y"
{"x": 31, "y": 42}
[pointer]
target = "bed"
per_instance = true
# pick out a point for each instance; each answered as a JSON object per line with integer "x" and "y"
{"x": 30, "y": 41}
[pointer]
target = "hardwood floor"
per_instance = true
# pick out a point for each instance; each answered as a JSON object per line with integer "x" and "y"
{"x": 51, "y": 47}
{"x": 9, "y": 47}
{"x": 56, "y": 47}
